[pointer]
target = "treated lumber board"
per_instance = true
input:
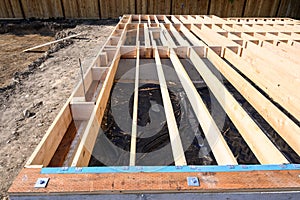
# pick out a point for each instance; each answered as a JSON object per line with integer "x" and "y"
{"x": 43, "y": 153}
{"x": 176, "y": 144}
{"x": 216, "y": 141}
{"x": 223, "y": 8}
{"x": 264, "y": 81}
{"x": 261, "y": 146}
{"x": 111, "y": 183}
{"x": 273, "y": 115}
{"x": 135, "y": 110}
{"x": 261, "y": 8}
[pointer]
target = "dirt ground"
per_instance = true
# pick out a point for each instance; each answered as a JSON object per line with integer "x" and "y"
{"x": 31, "y": 97}
{"x": 11, "y": 58}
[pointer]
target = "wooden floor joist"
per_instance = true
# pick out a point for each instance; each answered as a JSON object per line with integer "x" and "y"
{"x": 135, "y": 110}
{"x": 175, "y": 139}
{"x": 219, "y": 147}
{"x": 249, "y": 65}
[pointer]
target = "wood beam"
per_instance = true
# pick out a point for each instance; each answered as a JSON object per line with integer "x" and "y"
{"x": 135, "y": 110}
{"x": 261, "y": 146}
{"x": 216, "y": 141}
{"x": 285, "y": 127}
{"x": 176, "y": 144}
{"x": 268, "y": 83}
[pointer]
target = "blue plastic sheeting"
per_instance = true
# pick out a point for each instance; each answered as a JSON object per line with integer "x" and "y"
{"x": 134, "y": 169}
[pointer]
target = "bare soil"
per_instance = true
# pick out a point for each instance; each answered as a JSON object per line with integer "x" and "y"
{"x": 29, "y": 102}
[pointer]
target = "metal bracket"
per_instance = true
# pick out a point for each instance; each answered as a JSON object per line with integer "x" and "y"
{"x": 193, "y": 181}
{"x": 41, "y": 182}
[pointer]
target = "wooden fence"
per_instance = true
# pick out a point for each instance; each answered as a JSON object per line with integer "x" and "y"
{"x": 95, "y": 9}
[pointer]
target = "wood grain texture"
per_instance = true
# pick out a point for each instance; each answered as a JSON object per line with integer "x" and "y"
{"x": 261, "y": 8}
{"x": 155, "y": 182}
{"x": 186, "y": 7}
{"x": 42, "y": 9}
{"x": 223, "y": 8}
{"x": 5, "y": 9}
{"x": 63, "y": 148}
{"x": 289, "y": 8}
{"x": 87, "y": 143}
{"x": 10, "y": 9}
{"x": 104, "y": 9}
{"x": 261, "y": 104}
{"x": 198, "y": 7}
{"x": 114, "y": 8}
{"x": 51, "y": 140}
{"x": 179, "y": 7}
{"x": 141, "y": 7}
{"x": 81, "y": 9}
